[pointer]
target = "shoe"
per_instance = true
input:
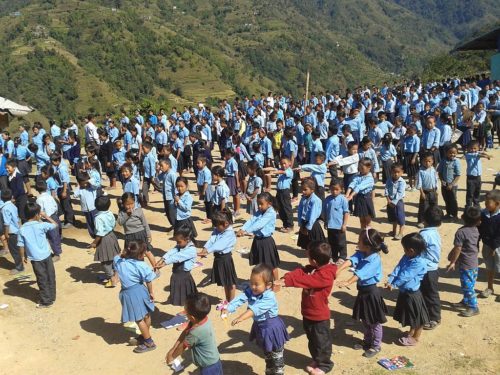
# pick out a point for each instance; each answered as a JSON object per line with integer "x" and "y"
{"x": 109, "y": 284}
{"x": 420, "y": 225}
{"x": 42, "y": 306}
{"x": 361, "y": 346}
{"x": 371, "y": 352}
{"x": 431, "y": 325}
{"x": 469, "y": 312}
{"x": 221, "y": 305}
{"x": 397, "y": 237}
{"x": 459, "y": 306}
{"x": 56, "y": 258}
{"x": 145, "y": 347}
{"x": 486, "y": 293}
{"x": 67, "y": 226}
{"x": 15, "y": 272}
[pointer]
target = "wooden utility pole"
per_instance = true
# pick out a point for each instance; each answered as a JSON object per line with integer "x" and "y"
{"x": 307, "y": 86}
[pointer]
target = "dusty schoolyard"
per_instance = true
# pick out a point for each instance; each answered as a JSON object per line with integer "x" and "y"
{"x": 82, "y": 333}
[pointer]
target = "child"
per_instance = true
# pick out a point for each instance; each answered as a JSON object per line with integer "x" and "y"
{"x": 23, "y": 157}
{"x": 318, "y": 172}
{"x": 204, "y": 184}
{"x": 169, "y": 177}
{"x": 283, "y": 194}
{"x": 135, "y": 225}
{"x": 221, "y": 192}
{"x": 361, "y": 190}
{"x": 221, "y": 244}
{"x": 474, "y": 171}
{"x": 118, "y": 157}
{"x": 183, "y": 258}
{"x": 130, "y": 183}
{"x": 105, "y": 242}
{"x": 395, "y": 193}
{"x": 367, "y": 151}
{"x": 49, "y": 207}
{"x": 254, "y": 186}
{"x": 308, "y": 215}
{"x": 490, "y": 235}
{"x": 10, "y": 230}
{"x": 183, "y": 202}
{"x": 149, "y": 165}
{"x": 449, "y": 173}
{"x": 432, "y": 254}
{"x": 61, "y": 175}
{"x": 199, "y": 336}
{"x": 350, "y": 169}
{"x": 387, "y": 155}
{"x": 16, "y": 185}
{"x": 369, "y": 307}
{"x": 411, "y": 147}
{"x": 135, "y": 297}
{"x": 268, "y": 329}
{"x": 316, "y": 279}
{"x": 407, "y": 276}
{"x": 465, "y": 251}
{"x": 232, "y": 179}
{"x": 336, "y": 213}
{"x": 87, "y": 195}
{"x": 262, "y": 225}
{"x": 427, "y": 184}
{"x": 33, "y": 245}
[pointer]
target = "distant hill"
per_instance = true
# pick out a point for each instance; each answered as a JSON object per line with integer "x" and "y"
{"x": 68, "y": 57}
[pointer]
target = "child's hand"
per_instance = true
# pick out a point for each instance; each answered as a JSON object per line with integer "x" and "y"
{"x": 343, "y": 229}
{"x": 388, "y": 286}
{"x": 236, "y": 321}
{"x": 451, "y": 267}
{"x": 349, "y": 198}
{"x": 342, "y": 284}
{"x": 151, "y": 296}
{"x": 304, "y": 231}
{"x": 203, "y": 253}
{"x": 169, "y": 358}
{"x": 449, "y": 187}
{"x": 240, "y": 233}
{"x": 149, "y": 239}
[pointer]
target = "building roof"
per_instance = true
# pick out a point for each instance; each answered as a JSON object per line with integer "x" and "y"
{"x": 488, "y": 41}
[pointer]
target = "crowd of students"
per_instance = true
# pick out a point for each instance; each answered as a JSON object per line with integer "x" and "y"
{"x": 405, "y": 138}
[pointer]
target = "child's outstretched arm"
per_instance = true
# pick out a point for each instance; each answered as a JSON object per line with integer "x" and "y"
{"x": 177, "y": 349}
{"x": 453, "y": 257}
{"x": 246, "y": 315}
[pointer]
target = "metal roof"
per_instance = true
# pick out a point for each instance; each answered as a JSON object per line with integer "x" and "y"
{"x": 488, "y": 41}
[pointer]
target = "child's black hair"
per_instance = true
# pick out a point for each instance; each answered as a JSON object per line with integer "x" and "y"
{"x": 472, "y": 216}
{"x": 433, "y": 216}
{"x": 428, "y": 154}
{"x": 127, "y": 196}
{"x": 267, "y": 197}
{"x": 182, "y": 179}
{"x": 221, "y": 217}
{"x": 102, "y": 203}
{"x": 31, "y": 210}
{"x": 147, "y": 145}
{"x": 366, "y": 162}
{"x": 309, "y": 182}
{"x": 6, "y": 195}
{"x": 40, "y": 185}
{"x": 55, "y": 157}
{"x": 397, "y": 165}
{"x": 320, "y": 251}
{"x": 183, "y": 231}
{"x": 82, "y": 177}
{"x": 365, "y": 141}
{"x": 33, "y": 148}
{"x": 335, "y": 182}
{"x": 414, "y": 241}
{"x": 450, "y": 146}
{"x": 134, "y": 250}
{"x": 256, "y": 147}
{"x": 351, "y": 144}
{"x": 493, "y": 195}
{"x": 254, "y": 165}
{"x": 371, "y": 237}
{"x": 229, "y": 151}
{"x": 218, "y": 171}
{"x": 198, "y": 305}
{"x": 48, "y": 170}
{"x": 265, "y": 271}
{"x": 12, "y": 163}
{"x": 320, "y": 155}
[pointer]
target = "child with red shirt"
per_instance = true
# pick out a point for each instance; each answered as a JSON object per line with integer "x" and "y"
{"x": 316, "y": 279}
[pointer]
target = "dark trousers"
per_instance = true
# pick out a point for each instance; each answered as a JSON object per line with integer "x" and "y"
{"x": 295, "y": 184}
{"x": 473, "y": 191}
{"x": 90, "y": 219}
{"x": 285, "y": 207}
{"x": 319, "y": 342}
{"x": 333, "y": 171}
{"x": 54, "y": 236}
{"x": 108, "y": 268}
{"x": 146, "y": 183}
{"x": 45, "y": 279}
{"x": 14, "y": 251}
{"x": 209, "y": 207}
{"x": 338, "y": 243}
{"x": 21, "y": 202}
{"x": 69, "y": 214}
{"x": 431, "y": 199}
{"x": 170, "y": 211}
{"x": 4, "y": 183}
{"x": 450, "y": 200}
{"x": 430, "y": 291}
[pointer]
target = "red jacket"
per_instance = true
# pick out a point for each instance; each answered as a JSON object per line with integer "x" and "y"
{"x": 317, "y": 284}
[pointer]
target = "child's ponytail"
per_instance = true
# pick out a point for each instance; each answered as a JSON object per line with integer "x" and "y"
{"x": 371, "y": 237}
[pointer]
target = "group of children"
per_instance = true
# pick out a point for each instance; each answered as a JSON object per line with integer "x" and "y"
{"x": 257, "y": 140}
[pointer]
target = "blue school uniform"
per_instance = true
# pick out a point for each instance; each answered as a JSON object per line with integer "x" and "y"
{"x": 105, "y": 223}
{"x": 221, "y": 242}
{"x": 448, "y": 170}
{"x": 411, "y": 144}
{"x": 372, "y": 155}
{"x": 32, "y": 236}
{"x": 431, "y": 138}
{"x": 134, "y": 296}
{"x": 318, "y": 172}
{"x": 260, "y": 159}
{"x": 427, "y": 179}
{"x": 149, "y": 164}
{"x": 261, "y": 224}
{"x": 47, "y": 203}
{"x": 119, "y": 157}
{"x": 132, "y": 186}
{"x": 395, "y": 191}
{"x": 221, "y": 192}
{"x": 254, "y": 183}
{"x": 95, "y": 178}
{"x": 52, "y": 185}
{"x": 332, "y": 148}
{"x": 42, "y": 159}
{"x": 474, "y": 165}
{"x": 173, "y": 163}
{"x": 161, "y": 138}
{"x": 316, "y": 147}
{"x": 408, "y": 274}
{"x": 231, "y": 167}
{"x": 186, "y": 256}
{"x": 432, "y": 253}
{"x": 25, "y": 138}
{"x": 362, "y": 184}
{"x": 285, "y": 180}
{"x": 169, "y": 180}
{"x": 387, "y": 153}
{"x": 368, "y": 269}
{"x": 113, "y": 134}
{"x": 309, "y": 211}
{"x": 10, "y": 217}
{"x": 205, "y": 177}
{"x": 334, "y": 210}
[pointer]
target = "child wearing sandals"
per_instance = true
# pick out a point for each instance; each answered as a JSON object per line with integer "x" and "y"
{"x": 221, "y": 244}
{"x": 262, "y": 225}
{"x": 183, "y": 202}
{"x": 360, "y": 191}
{"x": 183, "y": 258}
{"x": 105, "y": 242}
{"x": 369, "y": 307}
{"x": 135, "y": 297}
{"x": 198, "y": 336}
{"x": 316, "y": 279}
{"x": 268, "y": 330}
{"x": 309, "y": 214}
{"x": 407, "y": 276}
{"x": 221, "y": 191}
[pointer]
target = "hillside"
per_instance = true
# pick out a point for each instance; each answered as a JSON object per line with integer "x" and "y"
{"x": 68, "y": 57}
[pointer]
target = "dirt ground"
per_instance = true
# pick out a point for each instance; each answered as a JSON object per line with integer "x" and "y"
{"x": 82, "y": 333}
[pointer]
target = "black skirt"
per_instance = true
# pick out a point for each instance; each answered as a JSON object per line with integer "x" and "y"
{"x": 181, "y": 285}
{"x": 264, "y": 250}
{"x": 315, "y": 234}
{"x": 363, "y": 205}
{"x": 24, "y": 167}
{"x": 369, "y": 305}
{"x": 411, "y": 310}
{"x": 187, "y": 222}
{"x": 223, "y": 271}
{"x": 138, "y": 236}
{"x": 409, "y": 168}
{"x": 242, "y": 169}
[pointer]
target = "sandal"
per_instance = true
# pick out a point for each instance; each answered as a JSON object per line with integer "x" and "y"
{"x": 408, "y": 341}
{"x": 371, "y": 352}
{"x": 145, "y": 347}
{"x": 431, "y": 325}
{"x": 486, "y": 293}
